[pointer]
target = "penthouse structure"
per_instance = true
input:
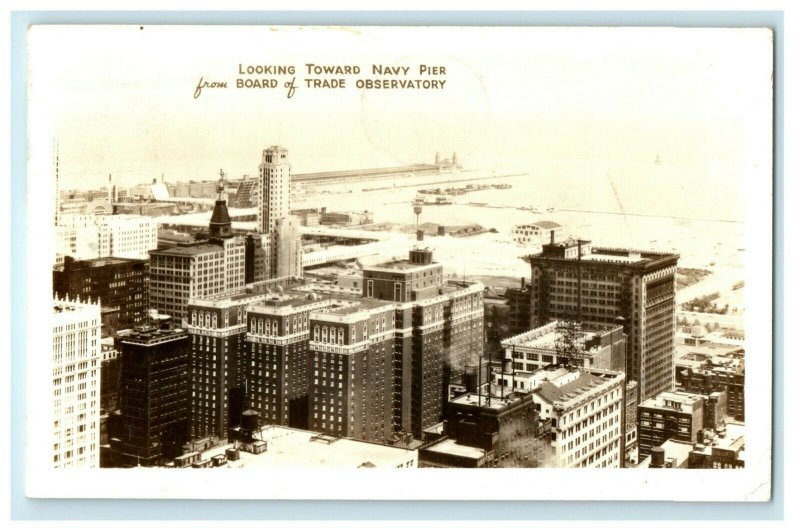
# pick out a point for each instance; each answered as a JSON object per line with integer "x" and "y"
{"x": 351, "y": 356}
{"x": 154, "y": 394}
{"x": 439, "y": 332}
{"x": 276, "y": 357}
{"x": 606, "y": 286}
{"x": 117, "y": 283}
{"x": 75, "y": 363}
{"x": 562, "y": 343}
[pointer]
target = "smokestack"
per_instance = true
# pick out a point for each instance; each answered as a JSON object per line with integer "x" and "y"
{"x": 552, "y": 236}
{"x": 420, "y": 235}
{"x": 522, "y": 282}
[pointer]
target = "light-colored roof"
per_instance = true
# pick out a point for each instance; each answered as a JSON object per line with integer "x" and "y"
{"x": 451, "y": 447}
{"x": 292, "y": 448}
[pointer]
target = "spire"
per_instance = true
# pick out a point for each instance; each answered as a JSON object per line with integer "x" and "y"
{"x": 220, "y": 224}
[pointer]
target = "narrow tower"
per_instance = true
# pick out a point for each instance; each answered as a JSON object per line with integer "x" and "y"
{"x": 273, "y": 194}
{"x": 220, "y": 224}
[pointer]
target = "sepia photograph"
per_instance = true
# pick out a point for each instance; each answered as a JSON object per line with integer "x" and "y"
{"x": 297, "y": 253}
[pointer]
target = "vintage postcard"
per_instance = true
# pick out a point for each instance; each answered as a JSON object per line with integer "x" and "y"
{"x": 399, "y": 262}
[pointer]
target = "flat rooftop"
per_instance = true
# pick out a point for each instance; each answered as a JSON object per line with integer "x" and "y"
{"x": 101, "y": 262}
{"x": 732, "y": 440}
{"x": 188, "y": 250}
{"x": 400, "y": 265}
{"x": 659, "y": 401}
{"x": 292, "y": 448}
{"x": 355, "y": 306}
{"x": 473, "y": 399}
{"x": 451, "y": 447}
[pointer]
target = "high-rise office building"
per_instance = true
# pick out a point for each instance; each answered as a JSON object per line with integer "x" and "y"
{"x": 439, "y": 331}
{"x": 274, "y": 182}
{"x": 76, "y": 383}
{"x": 276, "y": 356}
{"x": 351, "y": 356}
{"x": 154, "y": 394}
{"x": 286, "y": 253}
{"x": 605, "y": 286}
{"x": 217, "y": 330}
{"x": 274, "y": 217}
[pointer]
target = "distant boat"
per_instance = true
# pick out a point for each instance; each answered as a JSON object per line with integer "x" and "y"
{"x": 657, "y": 162}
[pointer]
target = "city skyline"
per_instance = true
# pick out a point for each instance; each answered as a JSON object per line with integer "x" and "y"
{"x": 583, "y": 270}
{"x": 581, "y": 108}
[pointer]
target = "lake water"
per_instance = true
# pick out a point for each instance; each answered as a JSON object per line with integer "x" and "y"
{"x": 619, "y": 217}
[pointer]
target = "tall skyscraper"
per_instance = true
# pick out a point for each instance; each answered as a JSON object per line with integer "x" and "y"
{"x": 276, "y": 356}
{"x": 76, "y": 383}
{"x": 154, "y": 395}
{"x": 275, "y": 179}
{"x": 274, "y": 217}
{"x": 351, "y": 354}
{"x": 608, "y": 286}
{"x": 217, "y": 330}
{"x": 439, "y": 331}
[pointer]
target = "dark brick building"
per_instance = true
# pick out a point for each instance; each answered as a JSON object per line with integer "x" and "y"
{"x": 483, "y": 433}
{"x": 711, "y": 368}
{"x": 154, "y": 392}
{"x": 276, "y": 357}
{"x": 217, "y": 330}
{"x": 351, "y": 370}
{"x": 439, "y": 332}
{"x": 119, "y": 283}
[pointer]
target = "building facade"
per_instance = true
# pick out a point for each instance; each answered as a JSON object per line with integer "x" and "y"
{"x": 488, "y": 433}
{"x": 563, "y": 343}
{"x": 217, "y": 332}
{"x": 277, "y": 358}
{"x": 584, "y": 410}
{"x": 711, "y": 368}
{"x": 274, "y": 182}
{"x": 351, "y": 371}
{"x": 539, "y": 233}
{"x": 154, "y": 395}
{"x": 666, "y": 416}
{"x": 438, "y": 333}
{"x": 75, "y": 366}
{"x": 605, "y": 286}
{"x": 87, "y": 236}
{"x": 115, "y": 282}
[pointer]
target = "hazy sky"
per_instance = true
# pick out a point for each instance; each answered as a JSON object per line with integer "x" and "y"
{"x": 580, "y": 103}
